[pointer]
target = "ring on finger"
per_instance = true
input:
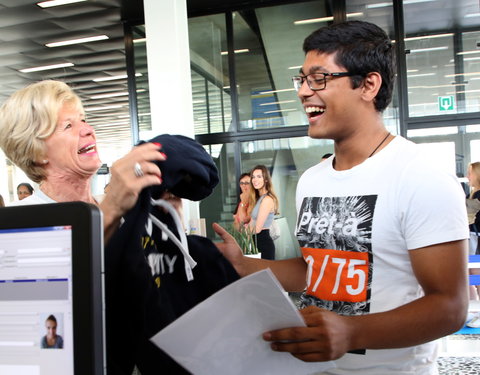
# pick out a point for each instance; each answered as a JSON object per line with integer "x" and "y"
{"x": 137, "y": 169}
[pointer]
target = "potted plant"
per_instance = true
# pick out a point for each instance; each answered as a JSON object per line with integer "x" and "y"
{"x": 245, "y": 239}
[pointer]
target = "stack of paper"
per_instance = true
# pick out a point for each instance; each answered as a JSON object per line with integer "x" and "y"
{"x": 223, "y": 334}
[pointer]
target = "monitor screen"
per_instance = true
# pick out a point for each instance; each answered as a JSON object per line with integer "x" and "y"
{"x": 50, "y": 297}
{"x": 36, "y": 329}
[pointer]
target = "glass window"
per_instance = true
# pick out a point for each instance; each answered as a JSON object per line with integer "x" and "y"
{"x": 381, "y": 14}
{"x": 451, "y": 147}
{"x": 430, "y": 75}
{"x": 220, "y": 205}
{"x": 210, "y": 74}
{"x": 443, "y": 66}
{"x": 141, "y": 79}
{"x": 268, "y": 52}
{"x": 286, "y": 160}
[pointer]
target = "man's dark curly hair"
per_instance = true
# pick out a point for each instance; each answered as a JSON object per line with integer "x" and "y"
{"x": 361, "y": 48}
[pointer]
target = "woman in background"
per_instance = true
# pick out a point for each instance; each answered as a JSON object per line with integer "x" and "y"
{"x": 240, "y": 215}
{"x": 24, "y": 190}
{"x": 263, "y": 210}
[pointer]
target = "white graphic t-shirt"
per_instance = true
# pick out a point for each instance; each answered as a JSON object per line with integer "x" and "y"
{"x": 355, "y": 228}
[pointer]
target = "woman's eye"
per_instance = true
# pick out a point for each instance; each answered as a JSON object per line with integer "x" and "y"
{"x": 68, "y": 126}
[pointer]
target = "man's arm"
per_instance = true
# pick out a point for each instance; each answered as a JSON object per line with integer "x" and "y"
{"x": 290, "y": 272}
{"x": 440, "y": 269}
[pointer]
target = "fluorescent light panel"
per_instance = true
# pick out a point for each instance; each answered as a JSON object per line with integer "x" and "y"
{"x": 272, "y": 91}
{"x": 77, "y": 41}
{"x": 244, "y": 50}
{"x": 56, "y": 3}
{"x": 45, "y": 67}
{"x": 111, "y": 95}
{"x": 325, "y": 19}
{"x": 434, "y": 36}
{"x": 112, "y": 78}
{"x": 442, "y": 48}
{"x": 281, "y": 102}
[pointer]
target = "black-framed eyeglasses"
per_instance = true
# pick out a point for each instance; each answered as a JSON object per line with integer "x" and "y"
{"x": 244, "y": 183}
{"x": 316, "y": 81}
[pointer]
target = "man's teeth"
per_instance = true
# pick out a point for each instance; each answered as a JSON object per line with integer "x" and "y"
{"x": 314, "y": 109}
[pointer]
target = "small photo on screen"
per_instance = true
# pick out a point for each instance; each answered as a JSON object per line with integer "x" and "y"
{"x": 51, "y": 330}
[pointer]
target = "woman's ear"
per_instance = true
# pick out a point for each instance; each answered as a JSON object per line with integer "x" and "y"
{"x": 371, "y": 85}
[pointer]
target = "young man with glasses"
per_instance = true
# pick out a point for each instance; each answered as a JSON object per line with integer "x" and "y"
{"x": 382, "y": 231}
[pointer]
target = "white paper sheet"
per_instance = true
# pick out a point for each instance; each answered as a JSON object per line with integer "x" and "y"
{"x": 223, "y": 334}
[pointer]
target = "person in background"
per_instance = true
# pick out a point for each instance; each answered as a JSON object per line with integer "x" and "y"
{"x": 51, "y": 340}
{"x": 262, "y": 209}
{"x": 2, "y": 202}
{"x": 473, "y": 176}
{"x": 44, "y": 131}
{"x": 24, "y": 190}
{"x": 384, "y": 271}
{"x": 240, "y": 216}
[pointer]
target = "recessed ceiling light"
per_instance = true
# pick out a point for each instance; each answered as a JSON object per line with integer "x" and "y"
{"x": 77, "y": 41}
{"x": 324, "y": 19}
{"x": 112, "y": 78}
{"x": 56, "y": 3}
{"x": 442, "y": 48}
{"x": 111, "y": 95}
{"x": 45, "y": 67}
{"x": 409, "y": 39}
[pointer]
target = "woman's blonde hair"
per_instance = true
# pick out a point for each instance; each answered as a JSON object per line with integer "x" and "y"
{"x": 28, "y": 118}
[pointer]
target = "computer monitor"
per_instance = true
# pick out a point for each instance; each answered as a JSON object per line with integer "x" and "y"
{"x": 51, "y": 290}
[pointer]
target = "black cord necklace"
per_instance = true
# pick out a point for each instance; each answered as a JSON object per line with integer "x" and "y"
{"x": 381, "y": 143}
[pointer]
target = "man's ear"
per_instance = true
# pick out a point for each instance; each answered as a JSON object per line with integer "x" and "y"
{"x": 371, "y": 85}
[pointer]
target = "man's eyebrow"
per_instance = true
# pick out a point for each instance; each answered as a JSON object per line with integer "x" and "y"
{"x": 318, "y": 68}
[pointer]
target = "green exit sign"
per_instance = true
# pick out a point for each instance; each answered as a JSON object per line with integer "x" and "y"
{"x": 446, "y": 103}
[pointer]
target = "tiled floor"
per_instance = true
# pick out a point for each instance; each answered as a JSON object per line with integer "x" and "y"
{"x": 460, "y": 354}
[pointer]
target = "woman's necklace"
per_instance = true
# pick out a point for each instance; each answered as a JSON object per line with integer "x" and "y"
{"x": 381, "y": 143}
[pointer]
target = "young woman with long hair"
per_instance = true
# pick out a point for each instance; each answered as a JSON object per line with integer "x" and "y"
{"x": 262, "y": 209}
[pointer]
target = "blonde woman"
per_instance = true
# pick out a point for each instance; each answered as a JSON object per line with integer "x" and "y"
{"x": 262, "y": 209}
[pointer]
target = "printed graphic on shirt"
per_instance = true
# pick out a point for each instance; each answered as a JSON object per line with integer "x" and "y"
{"x": 160, "y": 263}
{"x": 335, "y": 235}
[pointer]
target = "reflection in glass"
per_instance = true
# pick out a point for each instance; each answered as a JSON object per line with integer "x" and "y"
{"x": 141, "y": 78}
{"x": 271, "y": 39}
{"x": 210, "y": 80}
{"x": 286, "y": 160}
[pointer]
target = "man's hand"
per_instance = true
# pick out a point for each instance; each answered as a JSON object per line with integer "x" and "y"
{"x": 326, "y": 337}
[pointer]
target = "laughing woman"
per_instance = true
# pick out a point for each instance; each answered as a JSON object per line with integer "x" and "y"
{"x": 43, "y": 130}
{"x": 264, "y": 208}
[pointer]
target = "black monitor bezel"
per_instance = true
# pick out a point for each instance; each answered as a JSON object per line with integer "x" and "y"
{"x": 87, "y": 272}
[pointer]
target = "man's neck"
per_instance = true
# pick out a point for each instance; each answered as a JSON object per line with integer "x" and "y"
{"x": 359, "y": 146}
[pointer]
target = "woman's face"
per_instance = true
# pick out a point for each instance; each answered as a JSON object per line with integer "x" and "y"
{"x": 51, "y": 327}
{"x": 245, "y": 184}
{"x": 72, "y": 148}
{"x": 23, "y": 192}
{"x": 257, "y": 179}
